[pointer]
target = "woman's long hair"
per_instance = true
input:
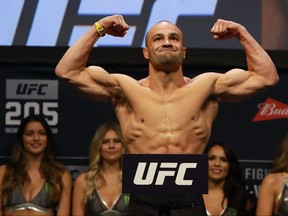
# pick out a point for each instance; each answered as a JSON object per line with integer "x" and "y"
{"x": 95, "y": 158}
{"x": 281, "y": 158}
{"x": 16, "y": 174}
{"x": 234, "y": 186}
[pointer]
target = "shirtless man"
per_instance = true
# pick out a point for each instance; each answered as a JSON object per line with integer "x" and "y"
{"x": 166, "y": 112}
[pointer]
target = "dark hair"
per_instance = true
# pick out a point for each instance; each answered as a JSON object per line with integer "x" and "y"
{"x": 234, "y": 186}
{"x": 281, "y": 158}
{"x": 18, "y": 149}
{"x": 16, "y": 171}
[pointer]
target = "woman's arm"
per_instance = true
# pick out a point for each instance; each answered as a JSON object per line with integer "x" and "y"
{"x": 267, "y": 195}
{"x": 64, "y": 206}
{"x": 79, "y": 190}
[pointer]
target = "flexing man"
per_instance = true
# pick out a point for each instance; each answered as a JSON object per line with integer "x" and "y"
{"x": 166, "y": 112}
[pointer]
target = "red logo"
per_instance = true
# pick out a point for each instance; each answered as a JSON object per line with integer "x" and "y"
{"x": 271, "y": 109}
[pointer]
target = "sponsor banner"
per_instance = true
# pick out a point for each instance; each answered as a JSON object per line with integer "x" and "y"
{"x": 254, "y": 171}
{"x": 165, "y": 174}
{"x": 271, "y": 109}
{"x": 30, "y": 96}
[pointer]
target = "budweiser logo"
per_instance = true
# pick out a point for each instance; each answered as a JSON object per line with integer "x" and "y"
{"x": 271, "y": 109}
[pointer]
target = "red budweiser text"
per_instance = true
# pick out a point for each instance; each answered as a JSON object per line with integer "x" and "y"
{"x": 271, "y": 109}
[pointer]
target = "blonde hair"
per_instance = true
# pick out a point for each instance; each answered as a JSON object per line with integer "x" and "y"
{"x": 95, "y": 158}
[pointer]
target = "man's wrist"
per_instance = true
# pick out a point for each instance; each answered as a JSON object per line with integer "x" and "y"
{"x": 100, "y": 29}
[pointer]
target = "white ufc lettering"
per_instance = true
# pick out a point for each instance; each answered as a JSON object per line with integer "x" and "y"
{"x": 50, "y": 26}
{"x": 162, "y": 173}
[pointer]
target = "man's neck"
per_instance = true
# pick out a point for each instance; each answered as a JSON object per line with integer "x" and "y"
{"x": 165, "y": 81}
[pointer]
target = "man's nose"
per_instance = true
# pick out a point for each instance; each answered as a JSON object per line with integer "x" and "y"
{"x": 167, "y": 42}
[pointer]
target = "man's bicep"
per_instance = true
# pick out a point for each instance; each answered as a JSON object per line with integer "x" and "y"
{"x": 236, "y": 85}
{"x": 96, "y": 83}
{"x": 100, "y": 76}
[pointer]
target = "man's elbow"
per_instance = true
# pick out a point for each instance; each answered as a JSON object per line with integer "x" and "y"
{"x": 60, "y": 71}
{"x": 272, "y": 80}
{"x": 275, "y": 78}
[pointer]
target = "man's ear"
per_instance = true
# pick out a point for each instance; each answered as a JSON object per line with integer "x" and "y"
{"x": 184, "y": 52}
{"x": 145, "y": 53}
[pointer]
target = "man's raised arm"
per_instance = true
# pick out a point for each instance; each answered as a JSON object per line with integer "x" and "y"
{"x": 75, "y": 59}
{"x": 93, "y": 81}
{"x": 238, "y": 84}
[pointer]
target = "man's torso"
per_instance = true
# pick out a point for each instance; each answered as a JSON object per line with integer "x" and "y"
{"x": 179, "y": 122}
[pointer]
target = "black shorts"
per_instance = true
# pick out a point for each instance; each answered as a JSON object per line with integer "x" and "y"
{"x": 172, "y": 205}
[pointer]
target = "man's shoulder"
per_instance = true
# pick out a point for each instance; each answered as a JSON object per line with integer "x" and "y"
{"x": 206, "y": 76}
{"x": 143, "y": 82}
{"x": 123, "y": 77}
{"x": 125, "y": 80}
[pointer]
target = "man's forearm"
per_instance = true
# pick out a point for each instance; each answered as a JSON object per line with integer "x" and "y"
{"x": 258, "y": 60}
{"x": 76, "y": 57}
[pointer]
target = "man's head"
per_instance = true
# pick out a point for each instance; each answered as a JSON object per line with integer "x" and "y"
{"x": 164, "y": 44}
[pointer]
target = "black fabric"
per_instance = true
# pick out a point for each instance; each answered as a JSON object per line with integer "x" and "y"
{"x": 174, "y": 205}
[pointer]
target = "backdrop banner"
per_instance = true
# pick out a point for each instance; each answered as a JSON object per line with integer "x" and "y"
{"x": 253, "y": 128}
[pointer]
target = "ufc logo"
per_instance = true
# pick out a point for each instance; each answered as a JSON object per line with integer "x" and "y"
{"x": 28, "y": 89}
{"x": 165, "y": 170}
{"x": 31, "y": 89}
{"x": 72, "y": 18}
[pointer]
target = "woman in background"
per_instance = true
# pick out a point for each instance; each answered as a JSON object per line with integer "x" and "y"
{"x": 227, "y": 195}
{"x": 33, "y": 182}
{"x": 273, "y": 192}
{"x": 99, "y": 190}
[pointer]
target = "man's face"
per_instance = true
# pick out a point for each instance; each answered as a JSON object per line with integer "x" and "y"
{"x": 165, "y": 45}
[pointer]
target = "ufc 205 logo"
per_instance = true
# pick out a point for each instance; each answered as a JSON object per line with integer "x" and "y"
{"x": 158, "y": 172}
{"x": 25, "y": 97}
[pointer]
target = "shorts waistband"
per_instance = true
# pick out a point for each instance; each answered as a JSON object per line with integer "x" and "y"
{"x": 173, "y": 202}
